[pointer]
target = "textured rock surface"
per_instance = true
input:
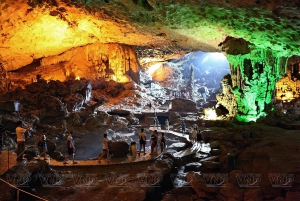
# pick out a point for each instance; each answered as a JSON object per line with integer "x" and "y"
{"x": 118, "y": 148}
{"x": 47, "y": 29}
{"x": 183, "y": 105}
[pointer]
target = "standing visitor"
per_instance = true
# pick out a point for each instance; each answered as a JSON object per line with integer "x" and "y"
{"x": 105, "y": 148}
{"x": 153, "y": 142}
{"x": 163, "y": 142}
{"x": 199, "y": 137}
{"x": 194, "y": 135}
{"x": 20, "y": 132}
{"x": 43, "y": 144}
{"x": 71, "y": 148}
{"x": 182, "y": 127}
{"x": 167, "y": 124}
{"x": 142, "y": 138}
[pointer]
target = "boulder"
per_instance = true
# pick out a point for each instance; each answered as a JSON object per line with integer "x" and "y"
{"x": 51, "y": 146}
{"x": 118, "y": 148}
{"x": 179, "y": 146}
{"x": 199, "y": 156}
{"x": 214, "y": 144}
{"x": 57, "y": 156}
{"x": 232, "y": 192}
{"x": 99, "y": 97}
{"x": 96, "y": 122}
{"x": 211, "y": 165}
{"x": 183, "y": 105}
{"x": 199, "y": 184}
{"x": 74, "y": 119}
{"x": 53, "y": 106}
{"x": 177, "y": 161}
{"x": 31, "y": 152}
{"x": 253, "y": 195}
{"x": 292, "y": 195}
{"x": 196, "y": 167}
{"x": 114, "y": 88}
{"x": 74, "y": 102}
{"x": 117, "y": 122}
{"x": 132, "y": 119}
{"x": 174, "y": 116}
{"x": 211, "y": 158}
{"x": 8, "y": 106}
{"x": 215, "y": 152}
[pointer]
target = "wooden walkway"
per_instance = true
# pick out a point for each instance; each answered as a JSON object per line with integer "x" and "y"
{"x": 122, "y": 160}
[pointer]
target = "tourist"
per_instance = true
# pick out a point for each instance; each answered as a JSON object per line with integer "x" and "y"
{"x": 155, "y": 122}
{"x": 167, "y": 124}
{"x": 199, "y": 137}
{"x": 142, "y": 138}
{"x": 153, "y": 142}
{"x": 162, "y": 143}
{"x": 43, "y": 144}
{"x": 194, "y": 135}
{"x": 183, "y": 127}
{"x": 20, "y": 132}
{"x": 105, "y": 148}
{"x": 71, "y": 148}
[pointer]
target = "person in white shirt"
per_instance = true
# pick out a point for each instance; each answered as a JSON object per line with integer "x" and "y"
{"x": 105, "y": 148}
{"x": 20, "y": 132}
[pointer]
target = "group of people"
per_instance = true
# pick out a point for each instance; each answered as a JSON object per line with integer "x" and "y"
{"x": 72, "y": 149}
{"x": 154, "y": 141}
{"x": 196, "y": 136}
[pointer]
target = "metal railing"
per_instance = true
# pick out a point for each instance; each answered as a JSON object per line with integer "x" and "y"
{"x": 18, "y": 191}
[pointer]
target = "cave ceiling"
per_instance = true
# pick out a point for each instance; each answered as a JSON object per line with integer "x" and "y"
{"x": 165, "y": 29}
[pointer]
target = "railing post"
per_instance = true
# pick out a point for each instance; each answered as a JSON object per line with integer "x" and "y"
{"x": 18, "y": 195}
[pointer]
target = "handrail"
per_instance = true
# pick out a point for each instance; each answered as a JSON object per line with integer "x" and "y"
{"x": 11, "y": 185}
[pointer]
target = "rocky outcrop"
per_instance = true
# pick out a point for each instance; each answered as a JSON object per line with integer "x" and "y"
{"x": 118, "y": 148}
{"x": 183, "y": 105}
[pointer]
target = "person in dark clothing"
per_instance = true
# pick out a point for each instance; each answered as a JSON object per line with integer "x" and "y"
{"x": 154, "y": 139}
{"x": 163, "y": 142}
{"x": 199, "y": 137}
{"x": 43, "y": 144}
{"x": 142, "y": 138}
{"x": 71, "y": 148}
{"x": 183, "y": 126}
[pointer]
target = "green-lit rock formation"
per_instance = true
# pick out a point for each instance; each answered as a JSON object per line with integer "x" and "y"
{"x": 254, "y": 77}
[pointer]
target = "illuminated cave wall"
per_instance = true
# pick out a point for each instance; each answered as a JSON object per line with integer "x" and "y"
{"x": 109, "y": 61}
{"x": 254, "y": 77}
{"x": 288, "y": 87}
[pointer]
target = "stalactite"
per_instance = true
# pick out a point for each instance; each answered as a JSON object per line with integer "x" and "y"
{"x": 254, "y": 85}
{"x": 110, "y": 61}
